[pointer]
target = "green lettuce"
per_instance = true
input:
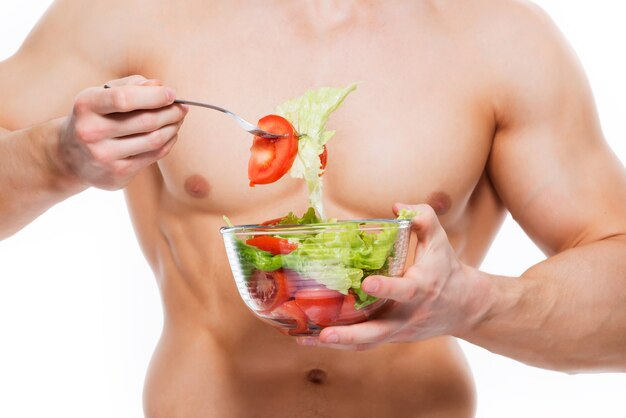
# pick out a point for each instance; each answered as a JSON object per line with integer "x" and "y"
{"x": 309, "y": 217}
{"x": 407, "y": 214}
{"x": 339, "y": 258}
{"x": 309, "y": 114}
{"x": 254, "y": 257}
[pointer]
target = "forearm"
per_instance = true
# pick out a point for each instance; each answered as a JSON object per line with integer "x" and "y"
{"x": 32, "y": 175}
{"x": 567, "y": 313}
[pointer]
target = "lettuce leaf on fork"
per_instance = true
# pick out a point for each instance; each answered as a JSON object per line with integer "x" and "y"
{"x": 309, "y": 114}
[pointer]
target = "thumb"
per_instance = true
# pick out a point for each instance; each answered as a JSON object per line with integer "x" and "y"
{"x": 134, "y": 80}
{"x": 425, "y": 224}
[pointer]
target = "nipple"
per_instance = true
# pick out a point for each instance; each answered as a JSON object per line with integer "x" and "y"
{"x": 196, "y": 186}
{"x": 440, "y": 202}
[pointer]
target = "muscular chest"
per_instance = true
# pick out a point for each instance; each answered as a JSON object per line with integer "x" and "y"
{"x": 416, "y": 130}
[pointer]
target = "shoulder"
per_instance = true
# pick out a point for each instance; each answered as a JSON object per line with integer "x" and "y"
{"x": 74, "y": 45}
{"x": 100, "y": 33}
{"x": 506, "y": 17}
{"x": 503, "y": 28}
{"x": 527, "y": 62}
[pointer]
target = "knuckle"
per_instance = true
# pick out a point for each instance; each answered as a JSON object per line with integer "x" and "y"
{"x": 166, "y": 95}
{"x": 167, "y": 148}
{"x": 156, "y": 139}
{"x": 180, "y": 117}
{"x": 410, "y": 293}
{"x": 147, "y": 121}
{"x": 183, "y": 111}
{"x": 119, "y": 99}
{"x": 86, "y": 133}
{"x": 346, "y": 338}
{"x": 431, "y": 291}
{"x": 82, "y": 104}
{"x": 100, "y": 155}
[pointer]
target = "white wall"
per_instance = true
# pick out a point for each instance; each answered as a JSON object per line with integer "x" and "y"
{"x": 80, "y": 313}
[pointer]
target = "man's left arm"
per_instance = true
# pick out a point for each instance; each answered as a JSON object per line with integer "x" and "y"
{"x": 555, "y": 173}
{"x": 561, "y": 182}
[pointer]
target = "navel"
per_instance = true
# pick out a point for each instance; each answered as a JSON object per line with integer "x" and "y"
{"x": 440, "y": 202}
{"x": 197, "y": 186}
{"x": 317, "y": 376}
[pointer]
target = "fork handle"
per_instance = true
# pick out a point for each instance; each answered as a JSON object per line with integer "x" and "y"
{"x": 192, "y": 103}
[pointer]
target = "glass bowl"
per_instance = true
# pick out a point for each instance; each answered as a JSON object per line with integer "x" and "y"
{"x": 302, "y": 278}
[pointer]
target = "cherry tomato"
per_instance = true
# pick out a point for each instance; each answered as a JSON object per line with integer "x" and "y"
{"x": 320, "y": 305}
{"x": 291, "y": 310}
{"x": 323, "y": 159}
{"x": 273, "y": 245}
{"x": 268, "y": 290}
{"x": 272, "y": 158}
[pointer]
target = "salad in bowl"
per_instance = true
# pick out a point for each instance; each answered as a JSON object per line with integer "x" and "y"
{"x": 302, "y": 274}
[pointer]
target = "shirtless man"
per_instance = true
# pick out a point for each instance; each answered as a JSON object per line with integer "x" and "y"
{"x": 472, "y": 107}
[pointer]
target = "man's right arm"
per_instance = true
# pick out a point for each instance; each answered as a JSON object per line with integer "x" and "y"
{"x": 106, "y": 137}
{"x": 31, "y": 180}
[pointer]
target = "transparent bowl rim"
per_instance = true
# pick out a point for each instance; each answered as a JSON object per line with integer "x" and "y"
{"x": 257, "y": 229}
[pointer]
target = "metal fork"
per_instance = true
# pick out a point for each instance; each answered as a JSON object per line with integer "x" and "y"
{"x": 244, "y": 124}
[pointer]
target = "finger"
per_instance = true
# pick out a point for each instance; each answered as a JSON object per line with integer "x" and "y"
{"x": 315, "y": 342}
{"x": 401, "y": 289}
{"x": 141, "y": 121}
{"x": 125, "y": 99}
{"x": 152, "y": 82}
{"x": 139, "y": 144}
{"x": 376, "y": 331}
{"x": 134, "y": 79}
{"x": 147, "y": 158}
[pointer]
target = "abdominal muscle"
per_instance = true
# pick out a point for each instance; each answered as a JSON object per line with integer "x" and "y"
{"x": 215, "y": 359}
{"x": 234, "y": 365}
{"x": 193, "y": 375}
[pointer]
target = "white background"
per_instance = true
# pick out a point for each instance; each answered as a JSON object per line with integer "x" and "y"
{"x": 80, "y": 313}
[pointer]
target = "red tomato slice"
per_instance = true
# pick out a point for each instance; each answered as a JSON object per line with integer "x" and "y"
{"x": 274, "y": 221}
{"x": 348, "y": 313}
{"x": 272, "y": 158}
{"x": 268, "y": 290}
{"x": 323, "y": 159}
{"x": 321, "y": 305}
{"x": 291, "y": 310}
{"x": 273, "y": 245}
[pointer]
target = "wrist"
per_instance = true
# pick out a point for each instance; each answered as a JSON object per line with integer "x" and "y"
{"x": 63, "y": 178}
{"x": 488, "y": 296}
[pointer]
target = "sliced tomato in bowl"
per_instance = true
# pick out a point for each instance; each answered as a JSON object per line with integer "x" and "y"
{"x": 290, "y": 310}
{"x": 274, "y": 221}
{"x": 348, "y": 314}
{"x": 273, "y": 245}
{"x": 320, "y": 304}
{"x": 268, "y": 290}
{"x": 272, "y": 158}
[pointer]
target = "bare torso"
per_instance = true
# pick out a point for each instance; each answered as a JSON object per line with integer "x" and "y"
{"x": 418, "y": 129}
